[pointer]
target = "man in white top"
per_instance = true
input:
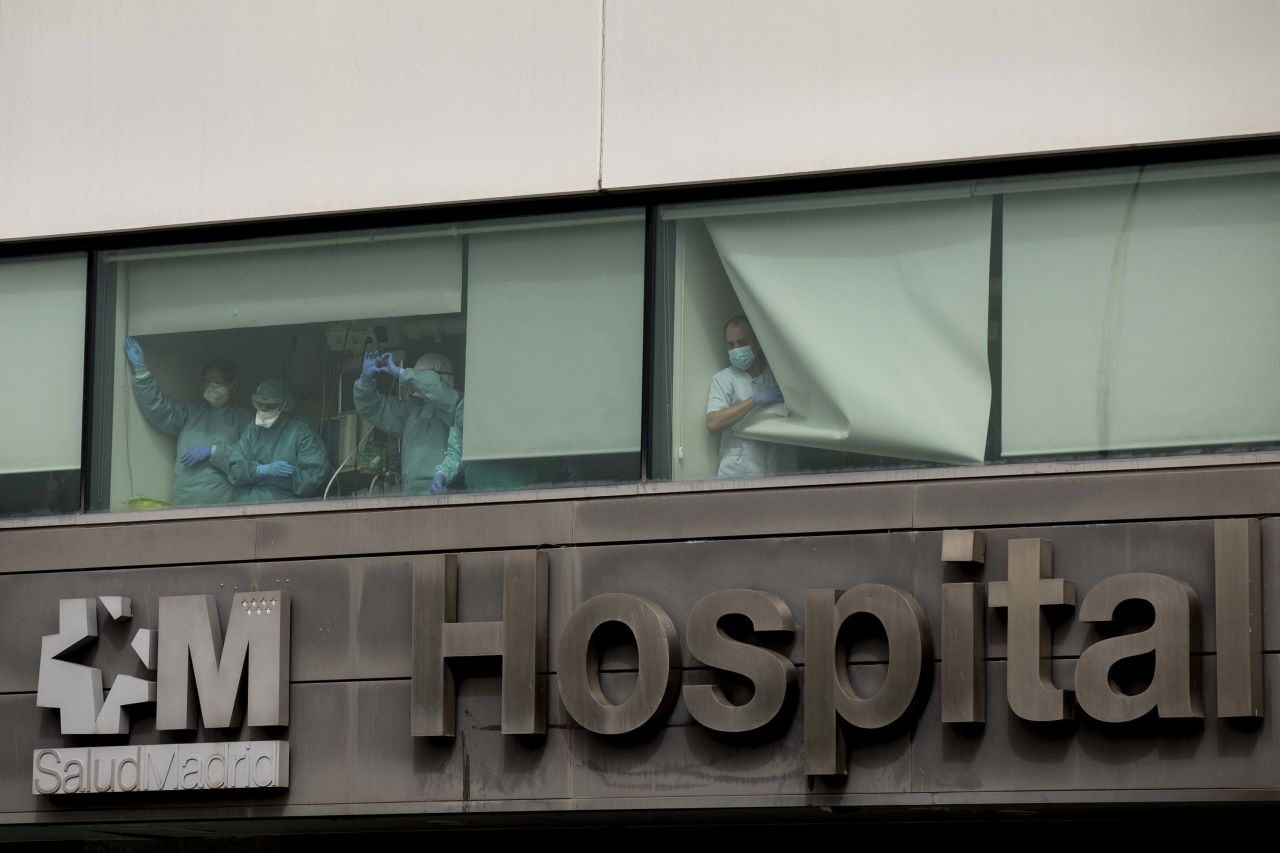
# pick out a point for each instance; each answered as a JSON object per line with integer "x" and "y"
{"x": 738, "y": 390}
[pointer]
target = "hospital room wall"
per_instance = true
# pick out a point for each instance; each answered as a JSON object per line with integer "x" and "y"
{"x": 703, "y": 301}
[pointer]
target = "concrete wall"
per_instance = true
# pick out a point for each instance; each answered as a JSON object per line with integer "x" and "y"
{"x": 728, "y": 89}
{"x": 350, "y": 578}
{"x": 128, "y": 114}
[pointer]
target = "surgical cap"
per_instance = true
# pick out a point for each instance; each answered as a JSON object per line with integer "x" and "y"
{"x": 274, "y": 391}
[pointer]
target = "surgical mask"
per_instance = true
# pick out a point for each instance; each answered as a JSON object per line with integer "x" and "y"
{"x": 445, "y": 378}
{"x": 267, "y": 419}
{"x": 742, "y": 357}
{"x": 216, "y": 395}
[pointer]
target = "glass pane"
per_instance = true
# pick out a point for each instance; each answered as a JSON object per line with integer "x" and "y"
{"x": 42, "y": 333}
{"x": 1074, "y": 315}
{"x": 829, "y": 333}
{"x": 1140, "y": 316}
{"x": 339, "y": 365}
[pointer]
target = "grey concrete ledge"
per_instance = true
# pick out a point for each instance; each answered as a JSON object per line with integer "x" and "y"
{"x": 1248, "y": 486}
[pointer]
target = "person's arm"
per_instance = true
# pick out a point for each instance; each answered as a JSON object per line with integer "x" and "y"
{"x": 311, "y": 467}
{"x": 220, "y": 454}
{"x": 722, "y": 413}
{"x": 385, "y": 413}
{"x": 433, "y": 389}
{"x": 452, "y": 460}
{"x": 161, "y": 411}
{"x": 237, "y": 461}
{"x": 723, "y": 419}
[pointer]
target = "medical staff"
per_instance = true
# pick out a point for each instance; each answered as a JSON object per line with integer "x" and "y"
{"x": 738, "y": 390}
{"x": 447, "y": 471}
{"x": 279, "y": 457}
{"x": 199, "y": 427}
{"x": 423, "y": 423}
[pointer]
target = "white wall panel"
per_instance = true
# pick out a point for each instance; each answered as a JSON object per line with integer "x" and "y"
{"x": 723, "y": 89}
{"x": 122, "y": 114}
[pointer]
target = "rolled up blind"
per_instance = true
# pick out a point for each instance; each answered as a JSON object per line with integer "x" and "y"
{"x": 261, "y": 284}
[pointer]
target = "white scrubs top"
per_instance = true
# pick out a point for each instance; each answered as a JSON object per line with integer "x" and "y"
{"x": 745, "y": 457}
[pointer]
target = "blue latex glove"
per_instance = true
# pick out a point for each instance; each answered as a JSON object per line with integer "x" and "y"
{"x": 369, "y": 367}
{"x": 133, "y": 352}
{"x": 279, "y": 468}
{"x": 767, "y": 397}
{"x": 197, "y": 454}
{"x": 437, "y": 484}
{"x": 390, "y": 366}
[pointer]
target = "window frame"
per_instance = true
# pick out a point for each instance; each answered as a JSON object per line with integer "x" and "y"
{"x": 100, "y": 307}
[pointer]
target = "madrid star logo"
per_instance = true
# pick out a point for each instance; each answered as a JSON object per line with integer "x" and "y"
{"x": 74, "y": 689}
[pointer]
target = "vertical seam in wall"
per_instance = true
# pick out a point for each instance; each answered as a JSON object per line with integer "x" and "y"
{"x": 600, "y": 111}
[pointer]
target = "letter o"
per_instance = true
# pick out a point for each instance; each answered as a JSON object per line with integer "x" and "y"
{"x": 578, "y": 664}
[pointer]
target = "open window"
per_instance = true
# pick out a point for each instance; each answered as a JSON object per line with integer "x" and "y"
{"x": 870, "y": 310}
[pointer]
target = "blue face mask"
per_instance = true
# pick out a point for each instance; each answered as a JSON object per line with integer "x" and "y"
{"x": 742, "y": 357}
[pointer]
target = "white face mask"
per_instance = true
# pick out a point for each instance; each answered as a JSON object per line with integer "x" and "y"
{"x": 267, "y": 419}
{"x": 216, "y": 395}
{"x": 446, "y": 378}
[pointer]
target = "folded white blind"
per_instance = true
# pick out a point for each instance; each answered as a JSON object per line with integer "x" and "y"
{"x": 42, "y": 305}
{"x": 267, "y": 286}
{"x": 874, "y": 319}
{"x": 555, "y": 320}
{"x": 1141, "y": 316}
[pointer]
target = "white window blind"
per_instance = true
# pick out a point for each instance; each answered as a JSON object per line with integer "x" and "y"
{"x": 42, "y": 328}
{"x": 555, "y": 320}
{"x": 266, "y": 284}
{"x": 874, "y": 320}
{"x": 1141, "y": 315}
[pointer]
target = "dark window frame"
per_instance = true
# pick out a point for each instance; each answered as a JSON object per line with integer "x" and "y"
{"x": 100, "y": 304}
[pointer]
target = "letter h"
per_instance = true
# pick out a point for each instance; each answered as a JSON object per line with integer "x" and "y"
{"x": 520, "y": 640}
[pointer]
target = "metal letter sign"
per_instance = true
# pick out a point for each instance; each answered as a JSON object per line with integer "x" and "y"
{"x": 772, "y": 675}
{"x": 189, "y": 640}
{"x": 520, "y": 640}
{"x": 1031, "y": 587}
{"x": 1174, "y": 637}
{"x": 74, "y": 689}
{"x": 578, "y": 664}
{"x": 828, "y": 691}
{"x": 831, "y": 705}
{"x": 730, "y": 632}
{"x": 258, "y": 631}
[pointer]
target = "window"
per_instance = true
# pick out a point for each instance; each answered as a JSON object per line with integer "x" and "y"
{"x": 1140, "y": 310}
{"x": 42, "y": 334}
{"x": 1120, "y": 311}
{"x": 239, "y": 370}
{"x": 1112, "y": 313}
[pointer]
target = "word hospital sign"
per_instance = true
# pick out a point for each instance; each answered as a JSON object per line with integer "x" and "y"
{"x": 199, "y": 670}
{"x": 830, "y": 701}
